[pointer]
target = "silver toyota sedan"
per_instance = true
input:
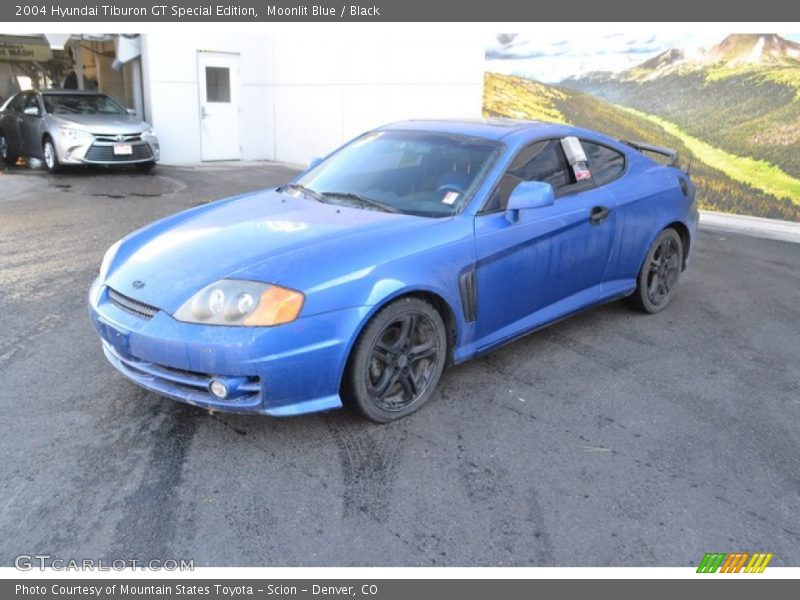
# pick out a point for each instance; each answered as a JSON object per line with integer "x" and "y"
{"x": 72, "y": 127}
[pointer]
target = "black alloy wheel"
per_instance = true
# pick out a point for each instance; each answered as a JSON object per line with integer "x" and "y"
{"x": 660, "y": 273}
{"x": 397, "y": 361}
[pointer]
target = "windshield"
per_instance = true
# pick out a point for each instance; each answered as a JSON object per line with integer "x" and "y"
{"x": 413, "y": 172}
{"x": 81, "y": 104}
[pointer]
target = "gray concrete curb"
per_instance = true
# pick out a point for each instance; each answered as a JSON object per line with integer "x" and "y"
{"x": 772, "y": 229}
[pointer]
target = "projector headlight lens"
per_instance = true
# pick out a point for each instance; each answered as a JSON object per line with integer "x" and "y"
{"x": 243, "y": 303}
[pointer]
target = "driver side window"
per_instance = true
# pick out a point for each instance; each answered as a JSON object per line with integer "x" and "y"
{"x": 19, "y": 102}
{"x": 542, "y": 161}
{"x": 32, "y": 102}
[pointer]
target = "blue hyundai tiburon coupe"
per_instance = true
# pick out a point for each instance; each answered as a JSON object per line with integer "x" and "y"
{"x": 414, "y": 246}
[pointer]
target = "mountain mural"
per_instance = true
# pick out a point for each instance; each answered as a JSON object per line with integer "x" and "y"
{"x": 734, "y": 107}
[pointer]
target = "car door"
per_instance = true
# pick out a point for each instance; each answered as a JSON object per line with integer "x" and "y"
{"x": 30, "y": 126}
{"x": 10, "y": 122}
{"x": 552, "y": 260}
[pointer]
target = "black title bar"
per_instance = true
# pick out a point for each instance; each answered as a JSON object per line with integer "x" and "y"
{"x": 397, "y": 11}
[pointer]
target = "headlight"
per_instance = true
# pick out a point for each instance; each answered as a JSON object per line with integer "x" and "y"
{"x": 75, "y": 134}
{"x": 248, "y": 303}
{"x": 150, "y": 132}
{"x": 107, "y": 258}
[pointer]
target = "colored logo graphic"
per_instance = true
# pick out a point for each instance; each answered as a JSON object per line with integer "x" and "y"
{"x": 714, "y": 562}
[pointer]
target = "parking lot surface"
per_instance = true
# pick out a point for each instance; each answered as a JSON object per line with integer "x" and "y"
{"x": 612, "y": 438}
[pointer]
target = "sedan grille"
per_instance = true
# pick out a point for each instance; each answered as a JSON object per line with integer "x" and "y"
{"x": 105, "y": 154}
{"x": 140, "y": 309}
{"x": 118, "y": 137}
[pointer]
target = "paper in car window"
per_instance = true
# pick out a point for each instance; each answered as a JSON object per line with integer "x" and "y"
{"x": 450, "y": 198}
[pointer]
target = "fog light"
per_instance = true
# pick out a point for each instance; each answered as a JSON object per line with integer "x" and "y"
{"x": 219, "y": 389}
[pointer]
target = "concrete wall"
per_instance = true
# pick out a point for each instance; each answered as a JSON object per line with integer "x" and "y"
{"x": 303, "y": 96}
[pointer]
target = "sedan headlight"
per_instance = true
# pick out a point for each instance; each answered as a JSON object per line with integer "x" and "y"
{"x": 75, "y": 134}
{"x": 150, "y": 132}
{"x": 236, "y": 302}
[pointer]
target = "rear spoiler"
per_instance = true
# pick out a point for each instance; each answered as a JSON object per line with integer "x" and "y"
{"x": 671, "y": 154}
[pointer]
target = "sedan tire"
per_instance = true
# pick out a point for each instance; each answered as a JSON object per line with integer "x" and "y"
{"x": 397, "y": 361}
{"x": 7, "y": 154}
{"x": 659, "y": 275}
{"x": 50, "y": 156}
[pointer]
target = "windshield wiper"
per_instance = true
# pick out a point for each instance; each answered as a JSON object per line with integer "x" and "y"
{"x": 364, "y": 200}
{"x": 304, "y": 190}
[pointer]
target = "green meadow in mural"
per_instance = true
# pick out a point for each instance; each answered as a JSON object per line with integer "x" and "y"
{"x": 732, "y": 106}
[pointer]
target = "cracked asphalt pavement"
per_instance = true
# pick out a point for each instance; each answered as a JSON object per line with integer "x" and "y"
{"x": 612, "y": 438}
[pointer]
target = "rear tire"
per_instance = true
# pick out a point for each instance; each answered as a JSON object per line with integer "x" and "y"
{"x": 7, "y": 153}
{"x": 397, "y": 361}
{"x": 660, "y": 272}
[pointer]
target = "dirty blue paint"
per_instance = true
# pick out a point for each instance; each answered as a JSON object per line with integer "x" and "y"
{"x": 530, "y": 270}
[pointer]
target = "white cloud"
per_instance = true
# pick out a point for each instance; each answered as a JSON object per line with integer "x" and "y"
{"x": 554, "y": 56}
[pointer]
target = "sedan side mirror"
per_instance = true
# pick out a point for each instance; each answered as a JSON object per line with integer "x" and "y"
{"x": 32, "y": 111}
{"x": 130, "y": 111}
{"x": 529, "y": 194}
{"x": 314, "y": 162}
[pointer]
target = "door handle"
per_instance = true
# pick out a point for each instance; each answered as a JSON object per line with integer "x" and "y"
{"x": 203, "y": 112}
{"x": 598, "y": 215}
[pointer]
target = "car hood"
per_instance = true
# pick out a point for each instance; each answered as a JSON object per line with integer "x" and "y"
{"x": 172, "y": 259}
{"x": 102, "y": 123}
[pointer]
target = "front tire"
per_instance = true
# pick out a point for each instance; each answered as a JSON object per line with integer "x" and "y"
{"x": 659, "y": 275}
{"x": 397, "y": 361}
{"x": 50, "y": 156}
{"x": 7, "y": 154}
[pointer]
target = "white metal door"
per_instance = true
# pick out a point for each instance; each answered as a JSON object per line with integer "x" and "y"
{"x": 218, "y": 76}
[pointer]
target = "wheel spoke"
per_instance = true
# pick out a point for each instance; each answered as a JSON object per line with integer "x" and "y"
{"x": 409, "y": 385}
{"x": 407, "y": 326}
{"x": 386, "y": 381}
{"x": 383, "y": 353}
{"x": 653, "y": 286}
{"x": 421, "y": 351}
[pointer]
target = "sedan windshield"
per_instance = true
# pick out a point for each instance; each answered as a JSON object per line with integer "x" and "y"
{"x": 81, "y": 104}
{"x": 413, "y": 172}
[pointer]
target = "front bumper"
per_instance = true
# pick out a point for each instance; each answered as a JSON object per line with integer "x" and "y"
{"x": 290, "y": 369}
{"x": 100, "y": 151}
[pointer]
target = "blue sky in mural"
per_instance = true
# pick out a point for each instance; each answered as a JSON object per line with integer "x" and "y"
{"x": 551, "y": 57}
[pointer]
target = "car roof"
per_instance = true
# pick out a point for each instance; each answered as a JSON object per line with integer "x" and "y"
{"x": 495, "y": 129}
{"x": 50, "y": 91}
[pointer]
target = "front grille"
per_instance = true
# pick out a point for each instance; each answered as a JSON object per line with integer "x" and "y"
{"x": 186, "y": 385}
{"x": 113, "y": 137}
{"x": 140, "y": 309}
{"x": 98, "y": 153}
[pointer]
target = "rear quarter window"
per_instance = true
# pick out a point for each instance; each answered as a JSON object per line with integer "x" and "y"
{"x": 606, "y": 164}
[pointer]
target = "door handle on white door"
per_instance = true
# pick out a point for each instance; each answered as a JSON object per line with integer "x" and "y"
{"x": 203, "y": 112}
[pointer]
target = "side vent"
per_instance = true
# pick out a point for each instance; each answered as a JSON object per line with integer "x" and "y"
{"x": 469, "y": 294}
{"x": 684, "y": 187}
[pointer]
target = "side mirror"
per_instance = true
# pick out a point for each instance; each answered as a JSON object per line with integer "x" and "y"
{"x": 314, "y": 162}
{"x": 130, "y": 111}
{"x": 32, "y": 111}
{"x": 529, "y": 194}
